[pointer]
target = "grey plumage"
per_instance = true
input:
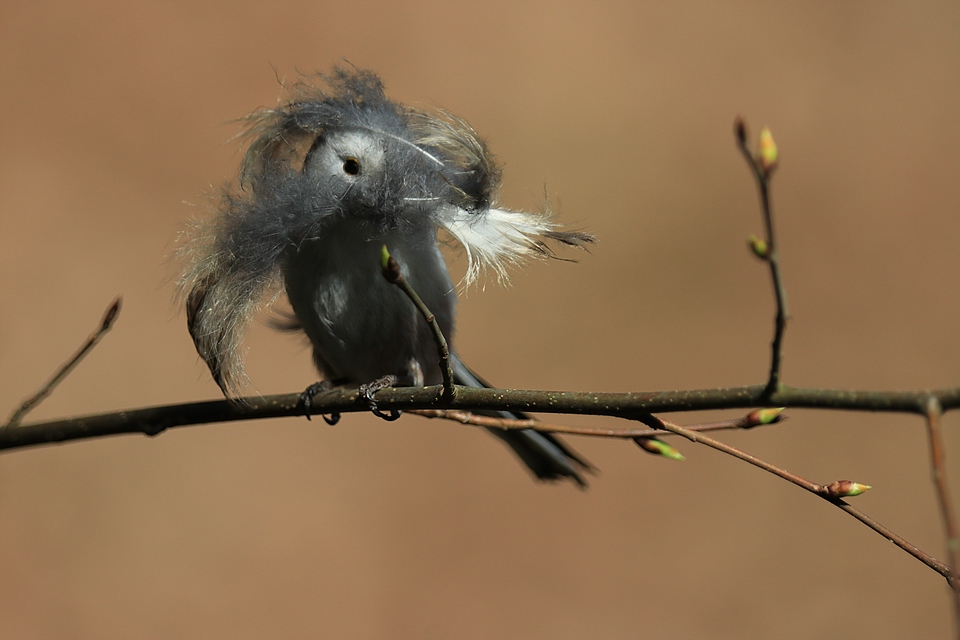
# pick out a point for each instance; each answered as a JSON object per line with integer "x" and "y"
{"x": 329, "y": 177}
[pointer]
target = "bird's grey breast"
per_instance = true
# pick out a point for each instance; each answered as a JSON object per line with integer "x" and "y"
{"x": 361, "y": 326}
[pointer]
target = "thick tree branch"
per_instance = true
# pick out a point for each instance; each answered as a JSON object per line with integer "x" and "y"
{"x": 154, "y": 420}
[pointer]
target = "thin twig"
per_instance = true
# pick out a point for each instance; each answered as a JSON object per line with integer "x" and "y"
{"x": 939, "y": 472}
{"x": 763, "y": 172}
{"x": 827, "y": 492}
{"x": 391, "y": 272}
{"x": 473, "y": 419}
{"x": 109, "y": 316}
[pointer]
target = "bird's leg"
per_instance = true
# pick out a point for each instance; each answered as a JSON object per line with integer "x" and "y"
{"x": 306, "y": 398}
{"x": 367, "y": 390}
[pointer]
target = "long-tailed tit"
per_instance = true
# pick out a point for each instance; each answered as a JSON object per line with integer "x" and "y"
{"x": 329, "y": 178}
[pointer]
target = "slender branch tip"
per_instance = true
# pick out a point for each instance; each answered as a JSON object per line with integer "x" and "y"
{"x": 110, "y": 316}
{"x": 740, "y": 130}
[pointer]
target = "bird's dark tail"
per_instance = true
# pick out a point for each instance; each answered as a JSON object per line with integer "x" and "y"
{"x": 547, "y": 456}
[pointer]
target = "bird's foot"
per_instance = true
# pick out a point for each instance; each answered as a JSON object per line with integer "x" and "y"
{"x": 367, "y": 390}
{"x": 306, "y": 399}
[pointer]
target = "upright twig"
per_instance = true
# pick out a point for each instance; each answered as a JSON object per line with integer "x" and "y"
{"x": 391, "y": 272}
{"x": 939, "y": 472}
{"x": 762, "y": 165}
{"x": 109, "y": 316}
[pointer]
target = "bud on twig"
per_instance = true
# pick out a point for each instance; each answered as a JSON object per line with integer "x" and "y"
{"x": 658, "y": 447}
{"x": 390, "y": 267}
{"x": 763, "y": 416}
{"x": 845, "y": 489}
{"x": 759, "y": 247}
{"x": 767, "y": 155}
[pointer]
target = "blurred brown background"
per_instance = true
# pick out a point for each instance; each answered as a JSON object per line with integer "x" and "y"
{"x": 114, "y": 119}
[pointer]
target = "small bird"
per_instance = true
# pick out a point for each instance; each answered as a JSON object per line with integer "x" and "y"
{"x": 330, "y": 177}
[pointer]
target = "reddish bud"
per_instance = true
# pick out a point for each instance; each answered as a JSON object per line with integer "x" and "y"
{"x": 658, "y": 447}
{"x": 845, "y": 489}
{"x": 760, "y": 417}
{"x": 389, "y": 266}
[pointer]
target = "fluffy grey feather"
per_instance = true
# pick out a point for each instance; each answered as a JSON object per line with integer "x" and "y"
{"x": 329, "y": 177}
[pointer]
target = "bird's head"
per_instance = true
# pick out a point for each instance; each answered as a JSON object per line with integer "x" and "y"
{"x": 352, "y": 152}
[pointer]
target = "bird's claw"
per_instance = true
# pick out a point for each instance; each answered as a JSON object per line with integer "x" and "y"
{"x": 367, "y": 390}
{"x": 306, "y": 399}
{"x": 389, "y": 417}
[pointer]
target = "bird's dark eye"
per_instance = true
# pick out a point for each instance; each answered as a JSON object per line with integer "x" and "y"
{"x": 351, "y": 166}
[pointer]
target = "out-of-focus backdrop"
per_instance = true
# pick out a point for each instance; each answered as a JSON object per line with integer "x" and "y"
{"x": 115, "y": 122}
